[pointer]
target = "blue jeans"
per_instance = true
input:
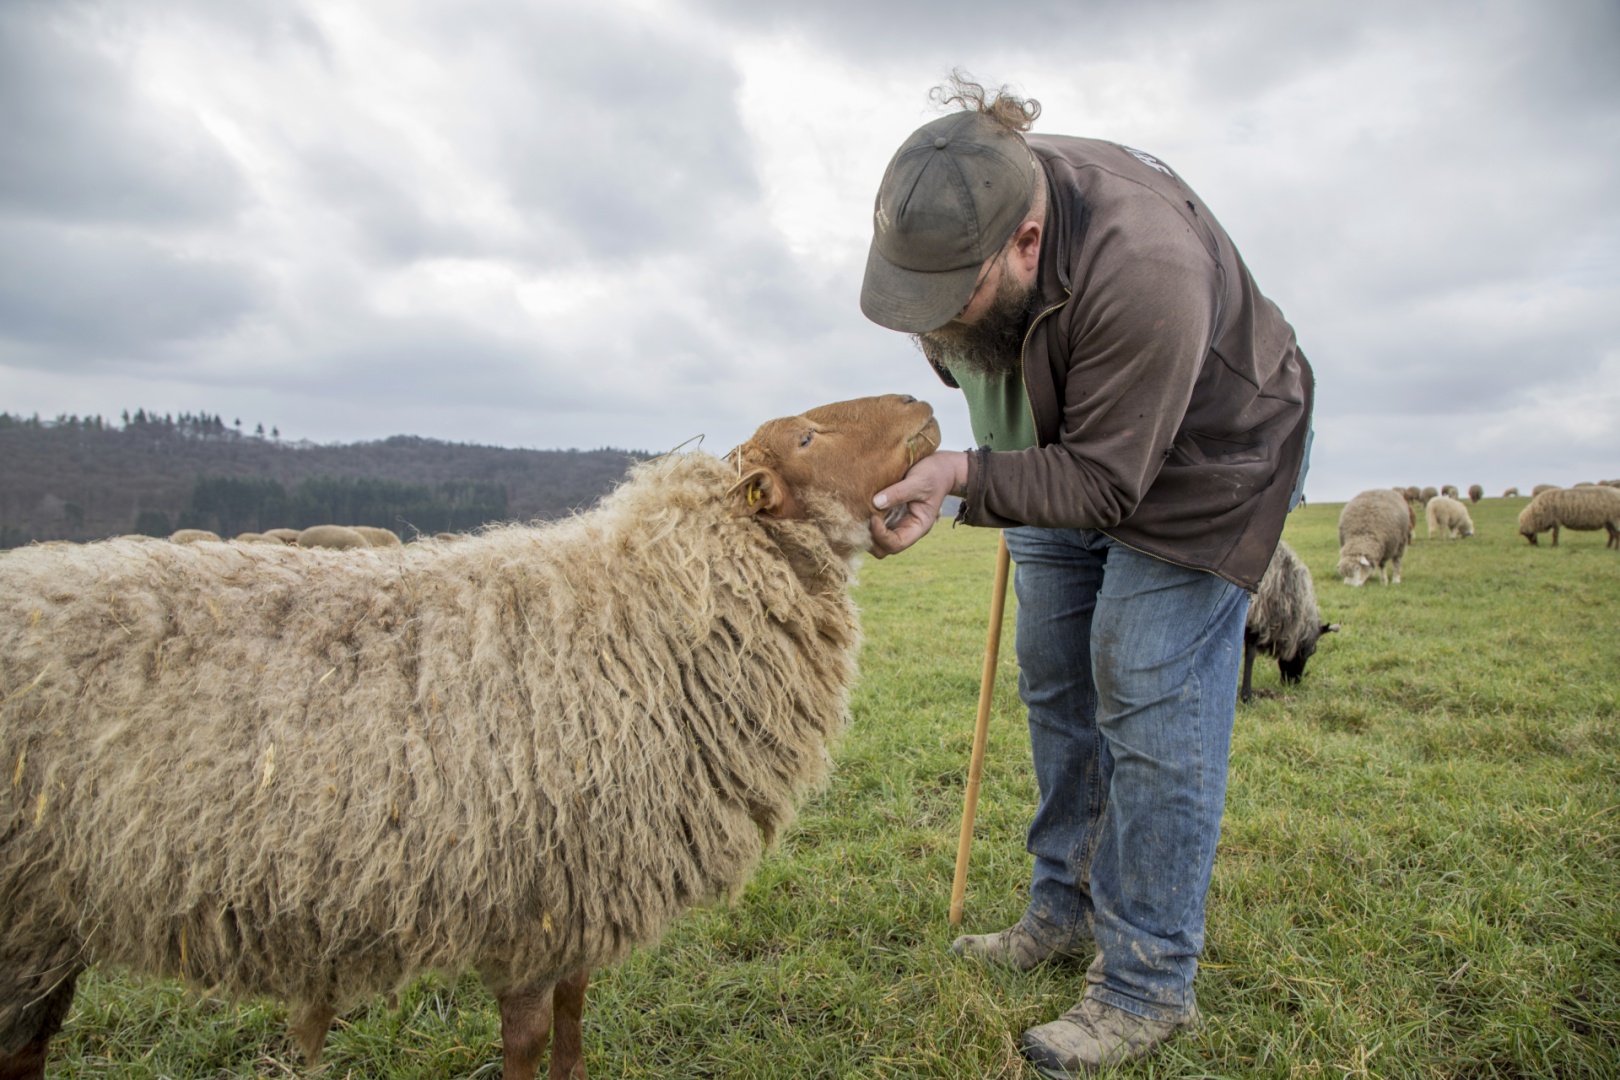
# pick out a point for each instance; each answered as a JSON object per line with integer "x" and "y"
{"x": 1128, "y": 666}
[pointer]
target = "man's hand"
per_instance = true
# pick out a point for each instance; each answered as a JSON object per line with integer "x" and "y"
{"x": 922, "y": 490}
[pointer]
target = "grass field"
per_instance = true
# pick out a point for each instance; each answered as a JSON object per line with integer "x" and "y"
{"x": 1418, "y": 875}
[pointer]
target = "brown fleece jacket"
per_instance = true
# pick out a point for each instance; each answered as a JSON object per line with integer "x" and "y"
{"x": 1170, "y": 400}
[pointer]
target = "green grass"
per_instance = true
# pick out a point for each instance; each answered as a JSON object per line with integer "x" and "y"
{"x": 1418, "y": 875}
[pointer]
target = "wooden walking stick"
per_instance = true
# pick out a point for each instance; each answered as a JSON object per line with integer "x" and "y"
{"x": 981, "y": 730}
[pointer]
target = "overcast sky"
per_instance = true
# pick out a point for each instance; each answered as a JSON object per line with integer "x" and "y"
{"x": 631, "y": 222}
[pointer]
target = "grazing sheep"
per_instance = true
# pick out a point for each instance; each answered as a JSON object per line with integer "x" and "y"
{"x": 522, "y": 753}
{"x": 1511, "y": 493}
{"x": 1584, "y": 509}
{"x": 1449, "y": 517}
{"x": 254, "y": 538}
{"x": 286, "y": 536}
{"x": 1449, "y": 490}
{"x": 192, "y": 536}
{"x": 1539, "y": 488}
{"x": 1413, "y": 494}
{"x": 1373, "y": 531}
{"x": 1283, "y": 619}
{"x": 377, "y": 537}
{"x": 339, "y": 537}
{"x": 1426, "y": 494}
{"x": 1475, "y": 493}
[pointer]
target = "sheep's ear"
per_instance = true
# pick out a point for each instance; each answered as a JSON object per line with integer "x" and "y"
{"x": 760, "y": 490}
{"x": 1329, "y": 627}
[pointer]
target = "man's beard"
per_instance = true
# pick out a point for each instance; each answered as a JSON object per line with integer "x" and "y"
{"x": 993, "y": 345}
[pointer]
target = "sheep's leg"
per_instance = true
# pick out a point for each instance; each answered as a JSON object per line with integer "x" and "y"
{"x": 525, "y": 1030}
{"x": 44, "y": 1017}
{"x": 568, "y": 1041}
{"x": 1395, "y": 565}
{"x": 309, "y": 1032}
{"x": 1555, "y": 536}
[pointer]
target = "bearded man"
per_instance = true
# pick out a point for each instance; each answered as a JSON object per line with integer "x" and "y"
{"x": 1142, "y": 416}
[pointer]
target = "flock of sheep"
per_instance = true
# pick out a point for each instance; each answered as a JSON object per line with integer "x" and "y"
{"x": 522, "y": 752}
{"x": 338, "y": 537}
{"x": 1374, "y": 528}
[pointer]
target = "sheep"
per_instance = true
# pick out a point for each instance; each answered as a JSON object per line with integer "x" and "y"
{"x": 1426, "y": 494}
{"x": 521, "y": 753}
{"x": 1413, "y": 494}
{"x": 1373, "y": 531}
{"x": 340, "y": 537}
{"x": 1449, "y": 517}
{"x": 1475, "y": 493}
{"x": 1283, "y": 619}
{"x": 253, "y": 538}
{"x": 1539, "y": 488}
{"x": 1583, "y": 509}
{"x": 1511, "y": 493}
{"x": 1449, "y": 490}
{"x": 286, "y": 536}
{"x": 192, "y": 536}
{"x": 377, "y": 537}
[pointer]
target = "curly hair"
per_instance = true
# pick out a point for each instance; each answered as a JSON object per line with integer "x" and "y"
{"x": 1001, "y": 104}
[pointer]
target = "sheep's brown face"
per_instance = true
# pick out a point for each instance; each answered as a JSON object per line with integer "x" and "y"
{"x": 842, "y": 453}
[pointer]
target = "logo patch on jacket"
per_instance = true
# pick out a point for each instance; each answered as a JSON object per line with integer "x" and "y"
{"x": 1149, "y": 160}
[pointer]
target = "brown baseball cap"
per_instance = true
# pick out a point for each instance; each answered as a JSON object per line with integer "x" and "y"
{"x": 954, "y": 193}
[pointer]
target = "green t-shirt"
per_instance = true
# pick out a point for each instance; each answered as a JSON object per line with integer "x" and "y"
{"x": 998, "y": 409}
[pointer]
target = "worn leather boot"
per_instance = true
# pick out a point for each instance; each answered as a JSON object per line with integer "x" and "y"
{"x": 1014, "y": 947}
{"x": 1092, "y": 1035}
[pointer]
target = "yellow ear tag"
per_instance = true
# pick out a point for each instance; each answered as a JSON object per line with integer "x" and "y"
{"x": 753, "y": 493}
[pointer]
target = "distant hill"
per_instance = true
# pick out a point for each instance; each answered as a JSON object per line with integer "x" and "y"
{"x": 76, "y": 478}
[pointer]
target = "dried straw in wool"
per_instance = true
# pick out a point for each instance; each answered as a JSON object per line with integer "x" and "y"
{"x": 312, "y": 776}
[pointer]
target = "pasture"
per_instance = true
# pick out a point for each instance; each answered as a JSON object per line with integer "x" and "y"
{"x": 1417, "y": 877}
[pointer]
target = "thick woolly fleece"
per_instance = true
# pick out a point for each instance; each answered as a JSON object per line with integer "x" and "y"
{"x": 1375, "y": 525}
{"x": 314, "y": 775}
{"x": 1448, "y": 517}
{"x": 1284, "y": 620}
{"x": 1578, "y": 508}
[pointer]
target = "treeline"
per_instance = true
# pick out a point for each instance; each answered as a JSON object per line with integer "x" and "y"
{"x": 230, "y": 505}
{"x": 73, "y": 478}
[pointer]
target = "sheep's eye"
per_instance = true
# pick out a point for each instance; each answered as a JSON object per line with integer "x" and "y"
{"x": 804, "y": 442}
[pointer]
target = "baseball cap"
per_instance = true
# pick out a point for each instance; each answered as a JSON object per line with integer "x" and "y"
{"x": 954, "y": 193}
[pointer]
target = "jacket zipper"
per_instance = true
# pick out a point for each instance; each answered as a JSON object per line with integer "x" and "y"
{"x": 1029, "y": 406}
{"x": 1023, "y": 354}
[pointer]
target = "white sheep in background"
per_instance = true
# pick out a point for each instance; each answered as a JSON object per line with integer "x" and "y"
{"x": 312, "y": 776}
{"x": 377, "y": 537}
{"x": 1448, "y": 517}
{"x": 337, "y": 537}
{"x": 1373, "y": 531}
{"x": 193, "y": 536}
{"x": 1583, "y": 509}
{"x": 1449, "y": 490}
{"x": 1511, "y": 493}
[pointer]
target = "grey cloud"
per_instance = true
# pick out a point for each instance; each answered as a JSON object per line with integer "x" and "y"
{"x": 79, "y": 145}
{"x": 626, "y": 139}
{"x": 86, "y": 297}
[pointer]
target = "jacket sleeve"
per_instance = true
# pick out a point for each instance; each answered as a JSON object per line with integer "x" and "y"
{"x": 1134, "y": 338}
